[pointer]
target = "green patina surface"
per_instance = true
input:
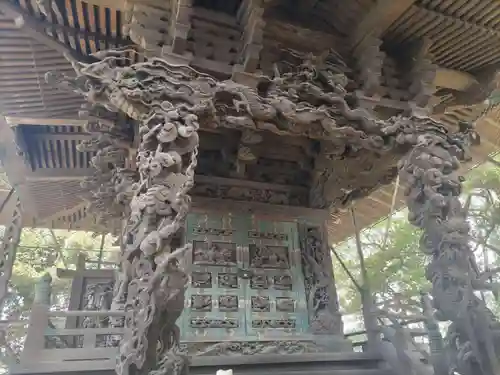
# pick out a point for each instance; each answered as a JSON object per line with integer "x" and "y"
{"x": 249, "y": 272}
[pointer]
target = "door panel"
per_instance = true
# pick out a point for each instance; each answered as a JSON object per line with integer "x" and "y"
{"x": 246, "y": 279}
{"x": 215, "y": 297}
{"x": 276, "y": 290}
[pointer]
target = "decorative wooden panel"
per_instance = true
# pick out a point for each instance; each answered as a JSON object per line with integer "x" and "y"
{"x": 276, "y": 292}
{"x": 215, "y": 296}
{"x": 246, "y": 279}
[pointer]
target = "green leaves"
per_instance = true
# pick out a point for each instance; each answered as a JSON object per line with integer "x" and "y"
{"x": 399, "y": 268}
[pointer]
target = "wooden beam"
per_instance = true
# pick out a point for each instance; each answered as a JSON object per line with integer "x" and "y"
{"x": 14, "y": 121}
{"x": 15, "y": 167}
{"x": 381, "y": 16}
{"x": 59, "y": 174}
{"x": 58, "y": 216}
{"x": 454, "y": 79}
{"x": 245, "y": 183}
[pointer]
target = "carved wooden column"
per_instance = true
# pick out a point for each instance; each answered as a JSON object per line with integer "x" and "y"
{"x": 324, "y": 315}
{"x": 431, "y": 173}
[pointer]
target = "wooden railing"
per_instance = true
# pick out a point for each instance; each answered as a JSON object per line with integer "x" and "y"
{"x": 49, "y": 348}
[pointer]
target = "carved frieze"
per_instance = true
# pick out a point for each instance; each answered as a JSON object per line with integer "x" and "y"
{"x": 260, "y": 304}
{"x": 285, "y": 304}
{"x": 283, "y": 282}
{"x": 269, "y": 256}
{"x": 213, "y": 232}
{"x": 201, "y": 302}
{"x": 235, "y": 348}
{"x": 273, "y": 323}
{"x": 267, "y": 235}
{"x": 228, "y": 303}
{"x": 214, "y": 253}
{"x": 201, "y": 280}
{"x": 240, "y": 193}
{"x": 203, "y": 322}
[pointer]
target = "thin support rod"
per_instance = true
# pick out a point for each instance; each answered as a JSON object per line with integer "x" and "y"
{"x": 6, "y": 200}
{"x": 101, "y": 251}
{"x": 346, "y": 270}
{"x": 369, "y": 317}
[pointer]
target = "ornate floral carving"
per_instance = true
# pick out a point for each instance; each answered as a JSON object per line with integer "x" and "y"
{"x": 213, "y": 232}
{"x": 269, "y": 256}
{"x": 214, "y": 323}
{"x": 227, "y": 280}
{"x": 233, "y": 348}
{"x": 267, "y": 235}
{"x": 240, "y": 193}
{"x": 273, "y": 323}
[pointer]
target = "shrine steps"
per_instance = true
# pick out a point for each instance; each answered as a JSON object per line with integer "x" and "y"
{"x": 347, "y": 363}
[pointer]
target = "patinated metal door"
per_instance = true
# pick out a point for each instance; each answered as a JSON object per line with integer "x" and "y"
{"x": 246, "y": 279}
{"x": 275, "y": 296}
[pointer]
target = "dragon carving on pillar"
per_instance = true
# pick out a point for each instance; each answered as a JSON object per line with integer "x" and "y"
{"x": 167, "y": 104}
{"x": 430, "y": 171}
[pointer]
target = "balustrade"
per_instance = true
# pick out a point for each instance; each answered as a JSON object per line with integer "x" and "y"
{"x": 49, "y": 348}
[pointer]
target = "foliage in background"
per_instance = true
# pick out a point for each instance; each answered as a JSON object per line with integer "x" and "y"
{"x": 397, "y": 271}
{"x": 41, "y": 251}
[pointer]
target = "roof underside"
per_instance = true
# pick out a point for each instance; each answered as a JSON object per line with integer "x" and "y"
{"x": 463, "y": 35}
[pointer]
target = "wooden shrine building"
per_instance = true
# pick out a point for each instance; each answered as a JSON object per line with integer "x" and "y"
{"x": 267, "y": 199}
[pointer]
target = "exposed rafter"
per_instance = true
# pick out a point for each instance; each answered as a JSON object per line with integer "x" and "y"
{"x": 36, "y": 29}
{"x": 382, "y": 15}
{"x": 454, "y": 79}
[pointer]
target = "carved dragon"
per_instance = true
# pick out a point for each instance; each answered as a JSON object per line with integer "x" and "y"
{"x": 168, "y": 104}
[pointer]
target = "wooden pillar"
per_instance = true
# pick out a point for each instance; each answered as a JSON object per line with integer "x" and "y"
{"x": 38, "y": 322}
{"x": 77, "y": 291}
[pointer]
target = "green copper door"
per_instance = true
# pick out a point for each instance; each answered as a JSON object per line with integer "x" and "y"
{"x": 246, "y": 282}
